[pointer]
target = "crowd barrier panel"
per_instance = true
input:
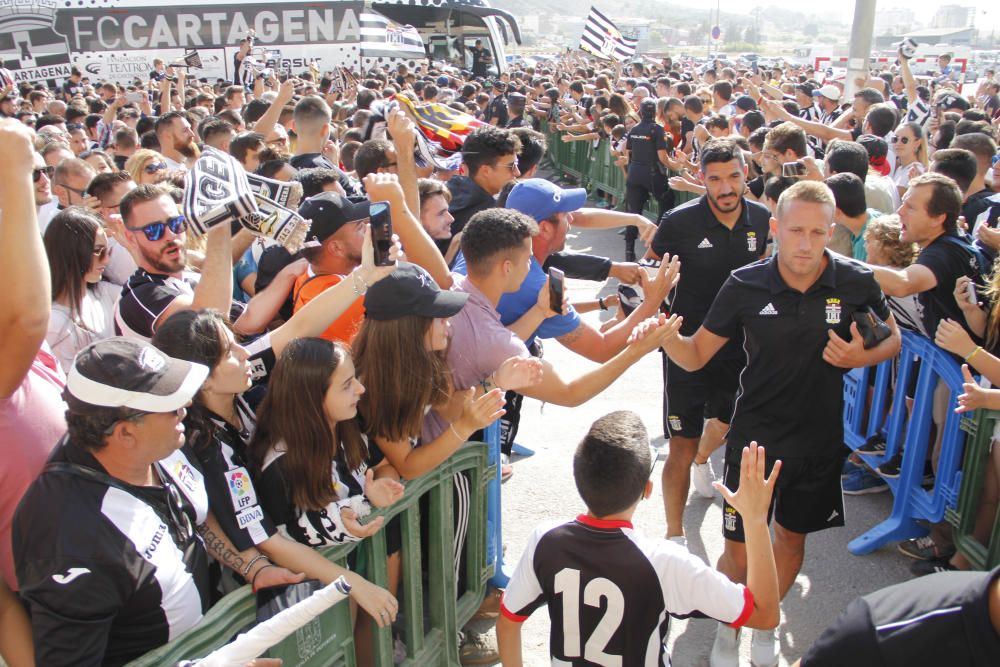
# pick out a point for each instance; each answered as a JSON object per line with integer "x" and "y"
{"x": 982, "y": 556}
{"x": 594, "y": 168}
{"x": 328, "y": 640}
{"x": 494, "y": 524}
{"x": 913, "y": 434}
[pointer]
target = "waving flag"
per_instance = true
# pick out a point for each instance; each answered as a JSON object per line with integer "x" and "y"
{"x": 440, "y": 123}
{"x": 603, "y": 39}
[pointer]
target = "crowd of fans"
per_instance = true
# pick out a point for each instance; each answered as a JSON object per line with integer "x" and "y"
{"x": 183, "y": 413}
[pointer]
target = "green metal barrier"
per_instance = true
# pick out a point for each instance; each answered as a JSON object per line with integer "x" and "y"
{"x": 963, "y": 516}
{"x": 329, "y": 639}
{"x": 595, "y": 169}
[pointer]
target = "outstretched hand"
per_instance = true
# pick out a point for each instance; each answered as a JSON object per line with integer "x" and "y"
{"x": 753, "y": 497}
{"x": 518, "y": 372}
{"x": 478, "y": 413}
{"x": 653, "y": 332}
{"x": 974, "y": 396}
{"x": 381, "y": 492}
{"x": 658, "y": 287}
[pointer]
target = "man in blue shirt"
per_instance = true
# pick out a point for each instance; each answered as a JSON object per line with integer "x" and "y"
{"x": 555, "y": 209}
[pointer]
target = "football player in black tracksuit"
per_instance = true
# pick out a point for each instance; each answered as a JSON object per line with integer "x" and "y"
{"x": 646, "y": 149}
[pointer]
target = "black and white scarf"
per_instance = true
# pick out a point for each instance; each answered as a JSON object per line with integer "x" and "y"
{"x": 218, "y": 191}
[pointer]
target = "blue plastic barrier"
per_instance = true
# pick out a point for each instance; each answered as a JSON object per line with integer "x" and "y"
{"x": 911, "y": 501}
{"x": 494, "y": 524}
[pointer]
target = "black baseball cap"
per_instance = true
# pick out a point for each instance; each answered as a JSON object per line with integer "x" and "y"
{"x": 410, "y": 290}
{"x": 954, "y": 102}
{"x": 329, "y": 211}
{"x": 126, "y": 373}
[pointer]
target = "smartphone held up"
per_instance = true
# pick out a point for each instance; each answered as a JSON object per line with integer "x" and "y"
{"x": 557, "y": 289}
{"x": 381, "y": 224}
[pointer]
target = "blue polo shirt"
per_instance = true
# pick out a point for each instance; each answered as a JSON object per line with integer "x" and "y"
{"x": 515, "y": 304}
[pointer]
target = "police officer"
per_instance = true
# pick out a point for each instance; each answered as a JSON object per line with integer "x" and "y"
{"x": 646, "y": 150}
{"x": 712, "y": 235}
{"x": 497, "y": 113}
{"x": 795, "y": 311}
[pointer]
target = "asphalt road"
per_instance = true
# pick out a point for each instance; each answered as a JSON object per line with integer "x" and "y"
{"x": 542, "y": 489}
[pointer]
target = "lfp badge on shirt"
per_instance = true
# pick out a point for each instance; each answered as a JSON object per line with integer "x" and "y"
{"x": 833, "y": 310}
{"x": 241, "y": 490}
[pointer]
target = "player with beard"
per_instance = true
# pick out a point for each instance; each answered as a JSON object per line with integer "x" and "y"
{"x": 712, "y": 235}
{"x": 177, "y": 140}
{"x": 155, "y": 233}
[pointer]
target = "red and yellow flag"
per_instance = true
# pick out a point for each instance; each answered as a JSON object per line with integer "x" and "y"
{"x": 440, "y": 123}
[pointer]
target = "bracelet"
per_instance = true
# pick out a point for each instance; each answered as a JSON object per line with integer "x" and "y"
{"x": 253, "y": 582}
{"x": 973, "y": 353}
{"x": 360, "y": 291}
{"x": 600, "y": 302}
{"x": 452, "y": 427}
{"x": 253, "y": 560}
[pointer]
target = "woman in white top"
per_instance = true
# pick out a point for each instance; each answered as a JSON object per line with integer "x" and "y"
{"x": 910, "y": 145}
{"x": 82, "y": 304}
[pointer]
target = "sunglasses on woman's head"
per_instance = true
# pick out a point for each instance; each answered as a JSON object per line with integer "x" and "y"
{"x": 154, "y": 230}
{"x": 36, "y": 174}
{"x": 154, "y": 167}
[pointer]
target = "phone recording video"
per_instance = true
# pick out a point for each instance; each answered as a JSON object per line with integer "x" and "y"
{"x": 557, "y": 289}
{"x": 796, "y": 169}
{"x": 381, "y": 223}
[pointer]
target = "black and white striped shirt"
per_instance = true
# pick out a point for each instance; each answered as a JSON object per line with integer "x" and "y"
{"x": 109, "y": 573}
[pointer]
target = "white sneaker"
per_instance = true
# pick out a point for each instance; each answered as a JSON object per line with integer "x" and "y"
{"x": 679, "y": 539}
{"x": 764, "y": 648}
{"x": 702, "y": 476}
{"x": 726, "y": 649}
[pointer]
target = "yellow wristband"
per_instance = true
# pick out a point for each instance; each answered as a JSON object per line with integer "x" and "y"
{"x": 973, "y": 353}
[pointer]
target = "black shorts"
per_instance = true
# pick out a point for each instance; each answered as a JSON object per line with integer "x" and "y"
{"x": 807, "y": 497}
{"x": 691, "y": 398}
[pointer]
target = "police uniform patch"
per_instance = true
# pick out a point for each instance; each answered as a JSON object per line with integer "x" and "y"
{"x": 752, "y": 241}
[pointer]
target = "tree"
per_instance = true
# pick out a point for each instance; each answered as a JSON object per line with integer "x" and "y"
{"x": 810, "y": 30}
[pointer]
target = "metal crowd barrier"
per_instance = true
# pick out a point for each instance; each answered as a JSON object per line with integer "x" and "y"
{"x": 494, "y": 524}
{"x": 982, "y": 555}
{"x": 911, "y": 430}
{"x": 431, "y": 637}
{"x": 594, "y": 168}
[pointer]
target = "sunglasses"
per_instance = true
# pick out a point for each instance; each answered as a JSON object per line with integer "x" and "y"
{"x": 155, "y": 167}
{"x": 182, "y": 528}
{"x": 901, "y": 140}
{"x": 36, "y": 174}
{"x": 154, "y": 230}
{"x": 101, "y": 252}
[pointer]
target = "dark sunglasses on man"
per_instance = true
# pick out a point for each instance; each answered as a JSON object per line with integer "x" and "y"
{"x": 36, "y": 174}
{"x": 154, "y": 230}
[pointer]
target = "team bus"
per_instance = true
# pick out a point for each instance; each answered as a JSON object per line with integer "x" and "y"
{"x": 116, "y": 40}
